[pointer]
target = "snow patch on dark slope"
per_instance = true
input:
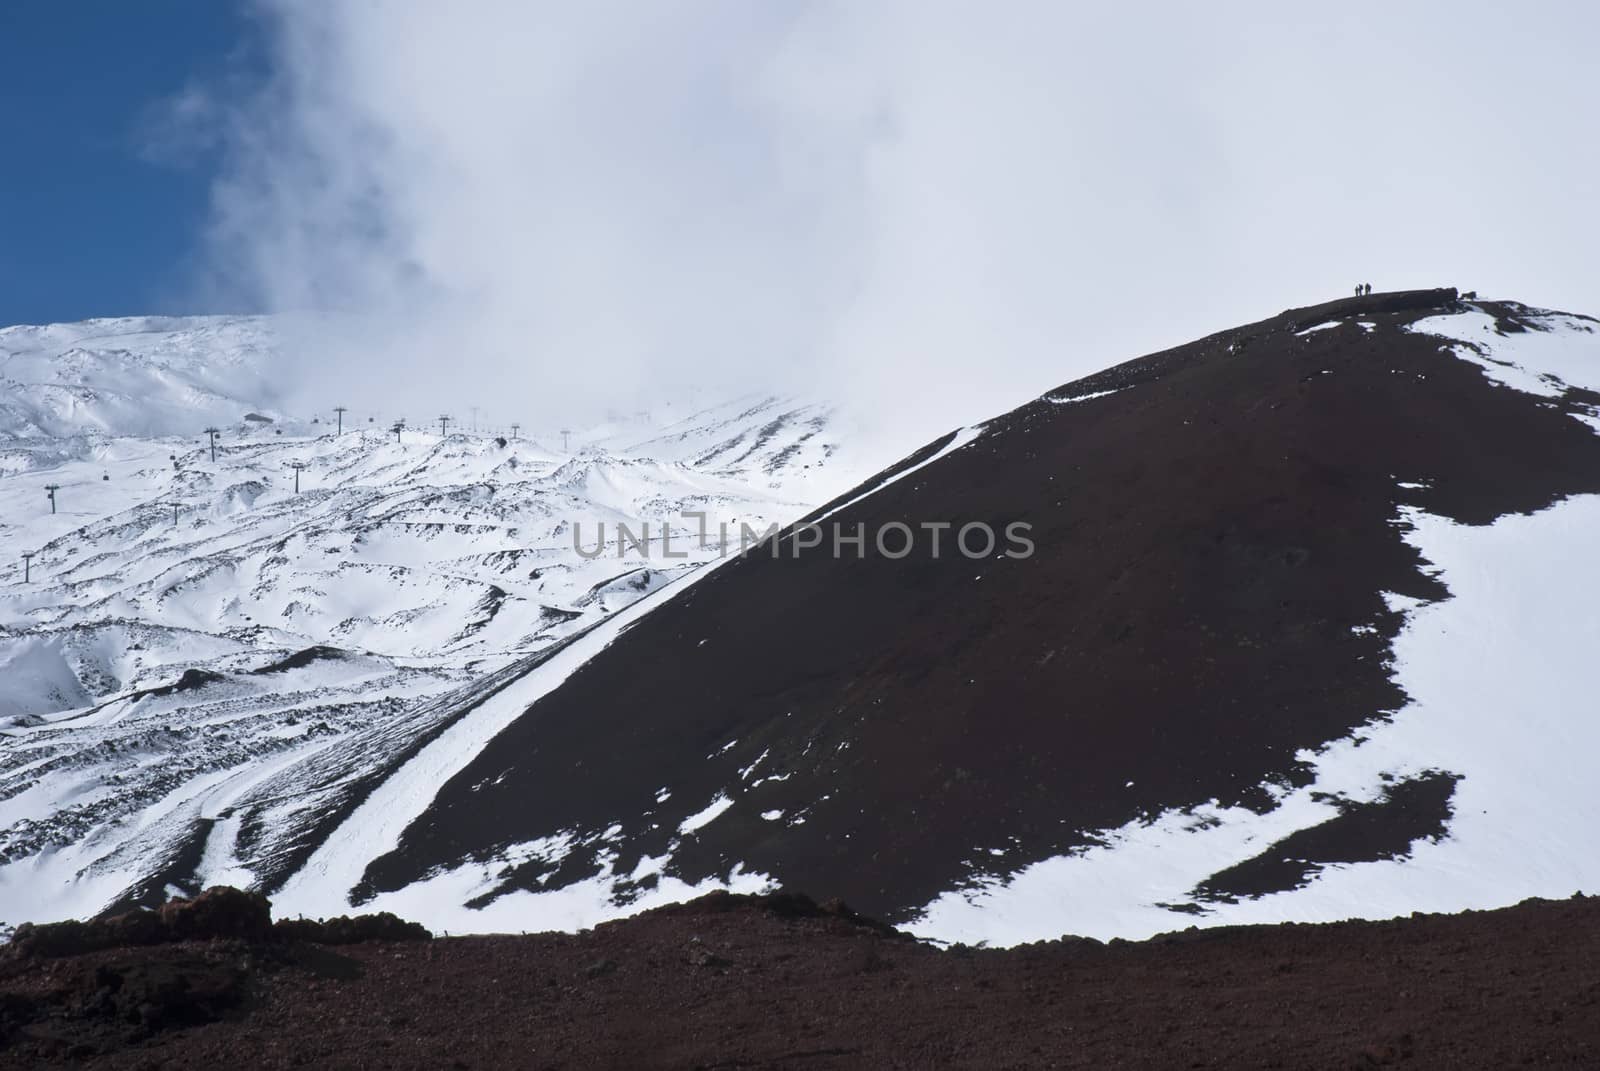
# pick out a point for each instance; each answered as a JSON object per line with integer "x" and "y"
{"x": 1280, "y": 576}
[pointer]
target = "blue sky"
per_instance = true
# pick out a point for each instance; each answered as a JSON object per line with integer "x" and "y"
{"x": 90, "y": 224}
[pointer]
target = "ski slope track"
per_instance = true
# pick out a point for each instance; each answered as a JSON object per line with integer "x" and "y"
{"x": 1305, "y": 637}
{"x": 204, "y": 673}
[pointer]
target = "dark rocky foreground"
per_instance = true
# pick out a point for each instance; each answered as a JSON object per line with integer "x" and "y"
{"x": 780, "y": 982}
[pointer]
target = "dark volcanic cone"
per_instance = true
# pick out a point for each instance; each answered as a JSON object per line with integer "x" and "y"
{"x": 1214, "y": 529}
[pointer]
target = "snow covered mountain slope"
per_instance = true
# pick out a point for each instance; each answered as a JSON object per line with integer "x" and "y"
{"x": 203, "y": 668}
{"x": 133, "y": 376}
{"x": 1303, "y": 635}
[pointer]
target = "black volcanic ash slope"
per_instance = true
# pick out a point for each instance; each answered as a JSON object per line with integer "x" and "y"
{"x": 1208, "y": 537}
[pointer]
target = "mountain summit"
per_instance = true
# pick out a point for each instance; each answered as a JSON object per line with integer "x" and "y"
{"x": 1302, "y": 635}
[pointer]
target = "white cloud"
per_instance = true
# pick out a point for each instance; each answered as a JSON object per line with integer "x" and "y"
{"x": 938, "y": 207}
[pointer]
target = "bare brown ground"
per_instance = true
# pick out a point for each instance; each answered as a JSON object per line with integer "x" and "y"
{"x": 729, "y": 982}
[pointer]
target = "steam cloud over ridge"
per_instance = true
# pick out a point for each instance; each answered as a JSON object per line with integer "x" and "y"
{"x": 930, "y": 209}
